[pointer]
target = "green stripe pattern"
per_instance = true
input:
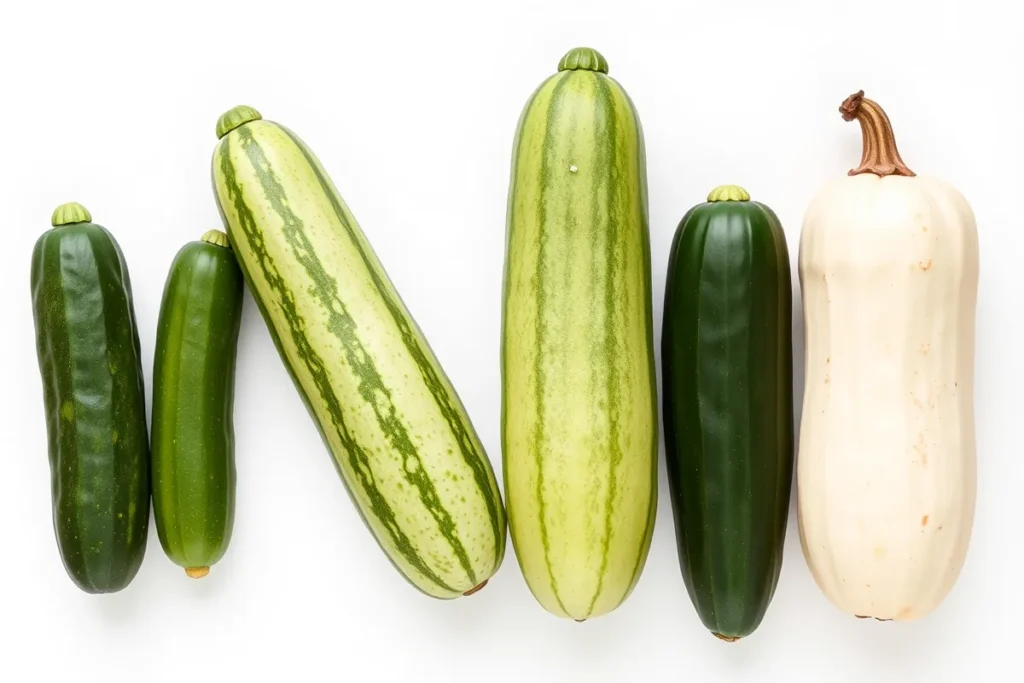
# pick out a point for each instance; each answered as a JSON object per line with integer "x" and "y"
{"x": 401, "y": 438}
{"x": 579, "y": 405}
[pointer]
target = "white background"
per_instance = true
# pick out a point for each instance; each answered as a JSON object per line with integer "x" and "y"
{"x": 412, "y": 108}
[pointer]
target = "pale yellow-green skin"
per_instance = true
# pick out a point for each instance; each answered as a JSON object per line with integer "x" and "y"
{"x": 579, "y": 401}
{"x": 438, "y": 451}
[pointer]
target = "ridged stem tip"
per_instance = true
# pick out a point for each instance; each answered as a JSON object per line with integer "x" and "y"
{"x": 235, "y": 117}
{"x": 216, "y": 237}
{"x": 69, "y": 213}
{"x": 728, "y": 193}
{"x": 583, "y": 59}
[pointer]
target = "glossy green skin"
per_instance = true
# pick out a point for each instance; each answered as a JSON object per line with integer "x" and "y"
{"x": 727, "y": 376}
{"x": 193, "y": 403}
{"x": 88, "y": 350}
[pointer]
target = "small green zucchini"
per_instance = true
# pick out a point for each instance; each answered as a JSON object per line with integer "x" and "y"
{"x": 193, "y": 402}
{"x": 87, "y": 345}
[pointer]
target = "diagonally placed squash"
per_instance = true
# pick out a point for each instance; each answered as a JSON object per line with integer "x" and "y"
{"x": 399, "y": 435}
{"x": 886, "y": 471}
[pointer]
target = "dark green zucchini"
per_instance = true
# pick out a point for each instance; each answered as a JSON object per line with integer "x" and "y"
{"x": 88, "y": 350}
{"x": 193, "y": 402}
{"x": 727, "y": 376}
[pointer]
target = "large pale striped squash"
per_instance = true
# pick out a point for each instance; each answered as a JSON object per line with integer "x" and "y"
{"x": 400, "y": 436}
{"x": 579, "y": 405}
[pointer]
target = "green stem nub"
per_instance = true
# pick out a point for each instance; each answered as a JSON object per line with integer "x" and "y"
{"x": 235, "y": 117}
{"x": 67, "y": 214}
{"x": 217, "y": 238}
{"x": 728, "y": 193}
{"x": 583, "y": 59}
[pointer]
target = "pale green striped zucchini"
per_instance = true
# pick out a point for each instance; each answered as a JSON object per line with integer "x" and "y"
{"x": 400, "y": 436}
{"x": 579, "y": 404}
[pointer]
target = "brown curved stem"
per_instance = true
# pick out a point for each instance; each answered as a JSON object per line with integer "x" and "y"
{"x": 880, "y": 155}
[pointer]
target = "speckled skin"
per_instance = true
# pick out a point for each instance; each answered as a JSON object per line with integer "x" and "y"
{"x": 193, "y": 400}
{"x": 399, "y": 435}
{"x": 88, "y": 351}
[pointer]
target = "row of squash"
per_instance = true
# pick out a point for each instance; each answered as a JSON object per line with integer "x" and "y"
{"x": 888, "y": 269}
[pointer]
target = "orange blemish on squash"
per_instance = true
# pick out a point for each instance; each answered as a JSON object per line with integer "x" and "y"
{"x": 925, "y": 265}
{"x": 904, "y": 613}
{"x": 919, "y": 445}
{"x": 924, "y": 521}
{"x": 925, "y": 348}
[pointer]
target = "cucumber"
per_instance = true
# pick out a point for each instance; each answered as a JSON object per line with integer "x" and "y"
{"x": 87, "y": 346}
{"x": 579, "y": 403}
{"x": 727, "y": 387}
{"x": 399, "y": 435}
{"x": 193, "y": 402}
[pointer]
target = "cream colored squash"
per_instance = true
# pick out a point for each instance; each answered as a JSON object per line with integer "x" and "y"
{"x": 886, "y": 469}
